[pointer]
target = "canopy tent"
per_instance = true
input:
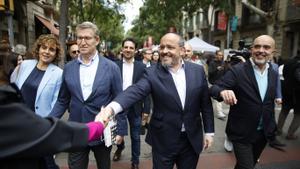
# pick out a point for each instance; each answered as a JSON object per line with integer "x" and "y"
{"x": 199, "y": 45}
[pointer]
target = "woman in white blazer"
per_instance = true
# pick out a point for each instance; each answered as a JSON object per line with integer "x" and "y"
{"x": 40, "y": 78}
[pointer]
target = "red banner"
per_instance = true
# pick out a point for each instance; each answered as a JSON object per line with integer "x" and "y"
{"x": 222, "y": 20}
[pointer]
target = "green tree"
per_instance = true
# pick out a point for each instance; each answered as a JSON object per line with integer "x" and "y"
{"x": 103, "y": 13}
{"x": 156, "y": 16}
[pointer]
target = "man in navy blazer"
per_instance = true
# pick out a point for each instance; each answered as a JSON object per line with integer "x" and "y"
{"x": 89, "y": 82}
{"x": 250, "y": 89}
{"x": 132, "y": 71}
{"x": 181, "y": 105}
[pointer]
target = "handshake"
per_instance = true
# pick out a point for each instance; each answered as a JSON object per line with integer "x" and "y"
{"x": 105, "y": 115}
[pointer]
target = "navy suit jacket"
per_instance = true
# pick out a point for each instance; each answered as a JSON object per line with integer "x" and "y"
{"x": 244, "y": 117}
{"x": 168, "y": 113}
{"x": 107, "y": 85}
{"x": 138, "y": 71}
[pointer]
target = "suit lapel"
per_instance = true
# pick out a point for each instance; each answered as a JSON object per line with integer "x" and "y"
{"x": 99, "y": 76}
{"x": 251, "y": 75}
{"x": 135, "y": 69}
{"x": 169, "y": 85}
{"x": 76, "y": 77}
{"x": 189, "y": 80}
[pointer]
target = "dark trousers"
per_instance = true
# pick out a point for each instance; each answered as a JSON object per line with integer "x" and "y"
{"x": 135, "y": 127}
{"x": 80, "y": 160}
{"x": 183, "y": 156}
{"x": 247, "y": 154}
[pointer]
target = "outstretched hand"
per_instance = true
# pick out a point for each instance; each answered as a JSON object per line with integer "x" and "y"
{"x": 104, "y": 115}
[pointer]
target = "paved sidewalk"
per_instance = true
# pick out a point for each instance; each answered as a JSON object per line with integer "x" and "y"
{"x": 216, "y": 157}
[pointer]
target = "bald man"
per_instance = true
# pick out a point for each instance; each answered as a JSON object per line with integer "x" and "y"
{"x": 182, "y": 108}
{"x": 249, "y": 88}
{"x": 188, "y": 52}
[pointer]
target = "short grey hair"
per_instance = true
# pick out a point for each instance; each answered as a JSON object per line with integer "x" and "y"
{"x": 181, "y": 41}
{"x": 88, "y": 25}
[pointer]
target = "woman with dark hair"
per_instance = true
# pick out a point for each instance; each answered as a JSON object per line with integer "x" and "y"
{"x": 26, "y": 137}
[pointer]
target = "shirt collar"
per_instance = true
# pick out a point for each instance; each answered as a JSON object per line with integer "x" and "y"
{"x": 124, "y": 61}
{"x": 91, "y": 61}
{"x": 182, "y": 67}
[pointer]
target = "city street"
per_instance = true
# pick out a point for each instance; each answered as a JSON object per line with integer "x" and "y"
{"x": 216, "y": 157}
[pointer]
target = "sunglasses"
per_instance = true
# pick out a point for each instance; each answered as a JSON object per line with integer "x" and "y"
{"x": 75, "y": 52}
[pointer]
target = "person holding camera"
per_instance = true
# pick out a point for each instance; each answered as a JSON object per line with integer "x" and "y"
{"x": 216, "y": 71}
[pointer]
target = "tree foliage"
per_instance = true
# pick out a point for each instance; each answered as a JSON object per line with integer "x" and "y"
{"x": 156, "y": 16}
{"x": 104, "y": 13}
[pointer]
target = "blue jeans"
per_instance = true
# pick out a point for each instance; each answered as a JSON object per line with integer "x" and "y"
{"x": 135, "y": 122}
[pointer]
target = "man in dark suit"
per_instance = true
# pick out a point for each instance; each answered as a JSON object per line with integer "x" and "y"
{"x": 89, "y": 82}
{"x": 181, "y": 105}
{"x": 250, "y": 88}
{"x": 131, "y": 71}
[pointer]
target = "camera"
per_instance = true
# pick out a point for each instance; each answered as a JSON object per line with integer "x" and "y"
{"x": 244, "y": 53}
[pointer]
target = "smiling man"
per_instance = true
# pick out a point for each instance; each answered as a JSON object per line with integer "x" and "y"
{"x": 182, "y": 107}
{"x": 249, "y": 88}
{"x": 89, "y": 82}
{"x": 131, "y": 71}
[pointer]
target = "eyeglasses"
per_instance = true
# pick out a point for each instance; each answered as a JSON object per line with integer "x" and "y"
{"x": 75, "y": 52}
{"x": 85, "y": 38}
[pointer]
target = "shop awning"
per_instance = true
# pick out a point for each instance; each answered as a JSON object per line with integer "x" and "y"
{"x": 49, "y": 25}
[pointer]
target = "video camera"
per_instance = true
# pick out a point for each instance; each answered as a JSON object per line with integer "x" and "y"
{"x": 244, "y": 53}
{"x": 237, "y": 56}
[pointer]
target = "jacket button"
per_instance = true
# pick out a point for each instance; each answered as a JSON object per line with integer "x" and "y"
{"x": 36, "y": 107}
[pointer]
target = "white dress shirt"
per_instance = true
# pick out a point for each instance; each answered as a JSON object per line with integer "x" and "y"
{"x": 180, "y": 83}
{"x": 87, "y": 73}
{"x": 127, "y": 73}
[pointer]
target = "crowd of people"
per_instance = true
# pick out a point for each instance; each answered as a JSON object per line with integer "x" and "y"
{"x": 173, "y": 92}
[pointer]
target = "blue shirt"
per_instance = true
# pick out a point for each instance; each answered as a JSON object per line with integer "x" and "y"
{"x": 262, "y": 82}
{"x": 87, "y": 74}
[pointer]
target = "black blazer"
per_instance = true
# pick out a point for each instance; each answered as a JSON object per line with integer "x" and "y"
{"x": 26, "y": 137}
{"x": 243, "y": 118}
{"x": 138, "y": 70}
{"x": 168, "y": 113}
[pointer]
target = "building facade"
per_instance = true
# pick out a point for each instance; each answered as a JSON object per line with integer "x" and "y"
{"x": 281, "y": 20}
{"x": 30, "y": 19}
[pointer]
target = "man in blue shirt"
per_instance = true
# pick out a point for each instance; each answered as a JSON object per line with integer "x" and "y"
{"x": 250, "y": 89}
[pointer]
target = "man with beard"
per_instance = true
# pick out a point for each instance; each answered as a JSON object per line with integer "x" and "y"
{"x": 188, "y": 52}
{"x": 182, "y": 107}
{"x": 249, "y": 88}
